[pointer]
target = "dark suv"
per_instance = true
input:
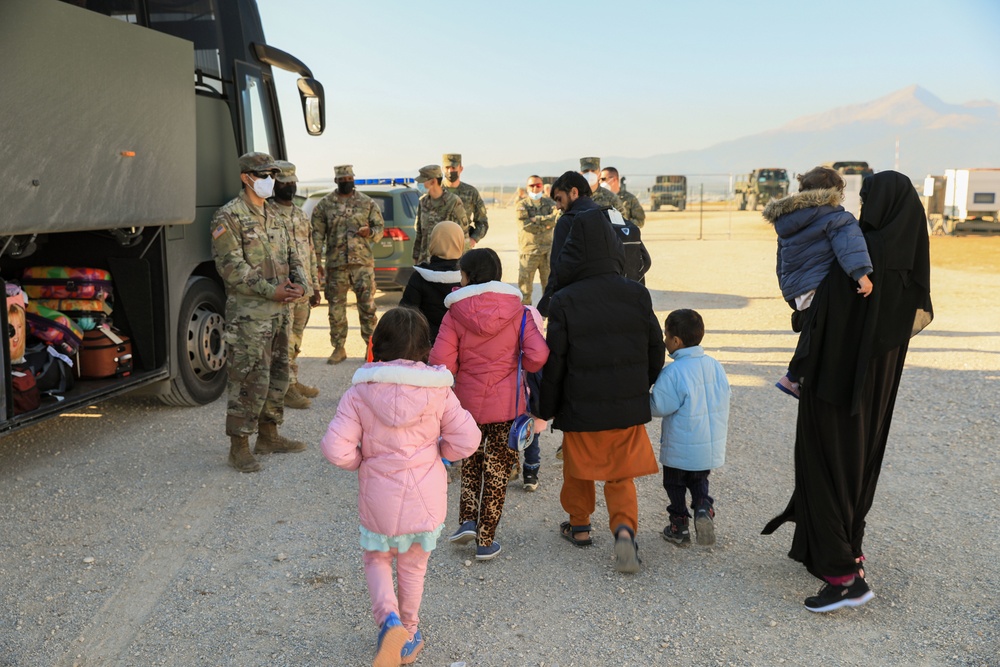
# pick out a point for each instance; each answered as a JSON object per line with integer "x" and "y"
{"x": 397, "y": 199}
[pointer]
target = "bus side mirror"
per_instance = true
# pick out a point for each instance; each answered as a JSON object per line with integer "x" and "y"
{"x": 313, "y": 105}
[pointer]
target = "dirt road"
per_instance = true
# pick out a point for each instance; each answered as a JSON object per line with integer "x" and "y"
{"x": 128, "y": 541}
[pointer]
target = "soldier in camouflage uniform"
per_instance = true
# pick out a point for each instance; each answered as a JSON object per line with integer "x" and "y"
{"x": 298, "y": 394}
{"x": 590, "y": 167}
{"x": 631, "y": 208}
{"x": 258, "y": 261}
{"x": 345, "y": 224}
{"x": 437, "y": 205}
{"x": 471, "y": 200}
{"x": 536, "y": 217}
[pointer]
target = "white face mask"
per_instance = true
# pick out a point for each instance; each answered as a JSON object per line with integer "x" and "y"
{"x": 263, "y": 187}
{"x": 536, "y": 195}
{"x": 591, "y": 179}
{"x": 606, "y": 185}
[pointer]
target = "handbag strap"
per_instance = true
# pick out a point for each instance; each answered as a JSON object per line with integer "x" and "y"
{"x": 520, "y": 354}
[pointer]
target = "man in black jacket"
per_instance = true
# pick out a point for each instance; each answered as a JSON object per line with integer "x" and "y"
{"x": 572, "y": 194}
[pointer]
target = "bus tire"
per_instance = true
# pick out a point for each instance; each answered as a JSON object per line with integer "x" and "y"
{"x": 201, "y": 348}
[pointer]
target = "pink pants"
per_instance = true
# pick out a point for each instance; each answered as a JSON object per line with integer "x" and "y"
{"x": 411, "y": 566}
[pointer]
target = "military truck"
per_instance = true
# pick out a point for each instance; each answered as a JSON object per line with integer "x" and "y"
{"x": 123, "y": 123}
{"x": 668, "y": 191}
{"x": 850, "y": 168}
{"x": 761, "y": 186}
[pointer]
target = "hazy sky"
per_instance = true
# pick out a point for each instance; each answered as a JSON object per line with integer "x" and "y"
{"x": 510, "y": 82}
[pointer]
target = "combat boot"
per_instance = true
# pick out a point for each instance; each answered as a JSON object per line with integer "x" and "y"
{"x": 338, "y": 355}
{"x": 240, "y": 456}
{"x": 269, "y": 442}
{"x": 306, "y": 390}
{"x": 294, "y": 399}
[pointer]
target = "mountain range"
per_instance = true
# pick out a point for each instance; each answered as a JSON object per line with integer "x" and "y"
{"x": 933, "y": 136}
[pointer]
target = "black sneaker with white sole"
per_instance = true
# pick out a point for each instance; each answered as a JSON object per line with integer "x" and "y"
{"x": 530, "y": 477}
{"x": 832, "y": 597}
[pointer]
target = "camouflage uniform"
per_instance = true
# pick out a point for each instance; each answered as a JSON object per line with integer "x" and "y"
{"x": 476, "y": 224}
{"x": 536, "y": 220}
{"x": 301, "y": 232}
{"x": 604, "y": 197}
{"x": 349, "y": 260}
{"x": 631, "y": 208}
{"x": 254, "y": 254}
{"x": 429, "y": 213}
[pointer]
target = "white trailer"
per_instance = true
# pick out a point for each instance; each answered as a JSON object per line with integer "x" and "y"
{"x": 971, "y": 200}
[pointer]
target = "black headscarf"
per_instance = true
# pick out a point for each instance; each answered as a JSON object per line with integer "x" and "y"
{"x": 843, "y": 331}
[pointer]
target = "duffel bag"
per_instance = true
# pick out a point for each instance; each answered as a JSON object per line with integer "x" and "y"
{"x": 87, "y": 313}
{"x": 52, "y": 371}
{"x": 26, "y": 396}
{"x": 52, "y": 327}
{"x": 104, "y": 354}
{"x": 64, "y": 282}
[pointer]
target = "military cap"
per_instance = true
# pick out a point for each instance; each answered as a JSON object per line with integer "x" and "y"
{"x": 343, "y": 171}
{"x": 451, "y": 160}
{"x": 287, "y": 173}
{"x": 257, "y": 162}
{"x": 429, "y": 172}
{"x": 590, "y": 164}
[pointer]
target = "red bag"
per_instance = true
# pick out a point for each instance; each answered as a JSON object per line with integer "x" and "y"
{"x": 26, "y": 394}
{"x": 104, "y": 354}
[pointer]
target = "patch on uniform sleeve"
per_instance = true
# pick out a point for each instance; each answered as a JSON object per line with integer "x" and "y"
{"x": 218, "y": 231}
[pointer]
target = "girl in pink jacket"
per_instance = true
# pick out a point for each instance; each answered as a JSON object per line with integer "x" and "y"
{"x": 478, "y": 342}
{"x": 393, "y": 425}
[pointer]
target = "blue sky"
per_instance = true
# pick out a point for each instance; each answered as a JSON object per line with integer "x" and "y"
{"x": 511, "y": 82}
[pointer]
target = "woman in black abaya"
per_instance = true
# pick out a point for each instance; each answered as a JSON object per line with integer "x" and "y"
{"x": 849, "y": 360}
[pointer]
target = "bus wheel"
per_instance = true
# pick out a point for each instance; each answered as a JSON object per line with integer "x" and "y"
{"x": 201, "y": 349}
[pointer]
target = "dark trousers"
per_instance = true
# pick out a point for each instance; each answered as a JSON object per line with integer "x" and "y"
{"x": 678, "y": 482}
{"x": 533, "y": 455}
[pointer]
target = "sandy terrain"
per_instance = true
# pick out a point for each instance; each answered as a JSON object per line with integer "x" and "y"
{"x": 128, "y": 541}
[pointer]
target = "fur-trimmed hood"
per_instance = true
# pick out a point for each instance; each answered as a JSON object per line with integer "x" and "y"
{"x": 394, "y": 390}
{"x": 446, "y": 277}
{"x": 485, "y": 308}
{"x": 801, "y": 200}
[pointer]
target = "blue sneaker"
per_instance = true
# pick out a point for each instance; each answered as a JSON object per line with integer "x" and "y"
{"x": 465, "y": 533}
{"x": 411, "y": 649}
{"x": 488, "y": 553}
{"x": 391, "y": 639}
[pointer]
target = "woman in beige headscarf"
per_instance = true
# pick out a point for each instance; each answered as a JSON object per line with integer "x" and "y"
{"x": 434, "y": 279}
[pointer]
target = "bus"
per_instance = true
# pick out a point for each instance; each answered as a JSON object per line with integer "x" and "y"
{"x": 123, "y": 121}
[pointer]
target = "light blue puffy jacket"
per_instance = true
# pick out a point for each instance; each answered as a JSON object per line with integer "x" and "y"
{"x": 692, "y": 395}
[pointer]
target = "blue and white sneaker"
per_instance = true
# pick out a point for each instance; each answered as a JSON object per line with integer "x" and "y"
{"x": 411, "y": 649}
{"x": 465, "y": 533}
{"x": 391, "y": 640}
{"x": 488, "y": 553}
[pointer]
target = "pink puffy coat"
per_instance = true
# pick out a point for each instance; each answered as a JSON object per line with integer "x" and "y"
{"x": 387, "y": 428}
{"x": 478, "y": 343}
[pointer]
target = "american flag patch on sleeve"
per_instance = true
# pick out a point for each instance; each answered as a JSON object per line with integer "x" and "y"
{"x": 218, "y": 231}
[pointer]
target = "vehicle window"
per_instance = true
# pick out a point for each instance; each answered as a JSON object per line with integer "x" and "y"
{"x": 384, "y": 204}
{"x": 124, "y": 10}
{"x": 257, "y": 125}
{"x": 411, "y": 200}
{"x": 195, "y": 21}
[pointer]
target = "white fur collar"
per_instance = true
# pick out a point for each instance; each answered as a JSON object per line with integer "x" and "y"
{"x": 483, "y": 288}
{"x": 446, "y": 277}
{"x": 416, "y": 375}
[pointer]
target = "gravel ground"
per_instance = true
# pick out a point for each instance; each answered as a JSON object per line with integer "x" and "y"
{"x": 128, "y": 541}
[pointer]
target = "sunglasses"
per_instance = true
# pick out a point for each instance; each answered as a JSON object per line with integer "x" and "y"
{"x": 263, "y": 174}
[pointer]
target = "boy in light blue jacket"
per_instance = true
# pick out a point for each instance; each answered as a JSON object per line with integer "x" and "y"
{"x": 692, "y": 395}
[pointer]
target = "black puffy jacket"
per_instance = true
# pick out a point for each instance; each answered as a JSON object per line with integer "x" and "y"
{"x": 605, "y": 343}
{"x": 426, "y": 289}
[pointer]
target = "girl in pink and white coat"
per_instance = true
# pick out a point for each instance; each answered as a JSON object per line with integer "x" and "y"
{"x": 393, "y": 425}
{"x": 478, "y": 342}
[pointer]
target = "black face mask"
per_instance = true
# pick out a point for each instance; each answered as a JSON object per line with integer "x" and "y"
{"x": 452, "y": 176}
{"x": 284, "y": 191}
{"x": 345, "y": 188}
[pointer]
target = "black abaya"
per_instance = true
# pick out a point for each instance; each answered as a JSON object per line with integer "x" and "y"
{"x": 849, "y": 361}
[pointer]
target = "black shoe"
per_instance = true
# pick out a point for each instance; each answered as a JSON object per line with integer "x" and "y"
{"x": 677, "y": 531}
{"x": 704, "y": 526}
{"x": 832, "y": 597}
{"x": 530, "y": 478}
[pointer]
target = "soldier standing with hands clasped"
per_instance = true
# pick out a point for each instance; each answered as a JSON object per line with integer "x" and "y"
{"x": 257, "y": 259}
{"x": 536, "y": 217}
{"x": 345, "y": 224}
{"x": 477, "y": 223}
{"x": 300, "y": 230}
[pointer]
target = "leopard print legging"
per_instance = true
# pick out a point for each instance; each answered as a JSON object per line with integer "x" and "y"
{"x": 484, "y": 481}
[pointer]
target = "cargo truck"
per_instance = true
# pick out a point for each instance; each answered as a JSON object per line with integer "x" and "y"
{"x": 668, "y": 191}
